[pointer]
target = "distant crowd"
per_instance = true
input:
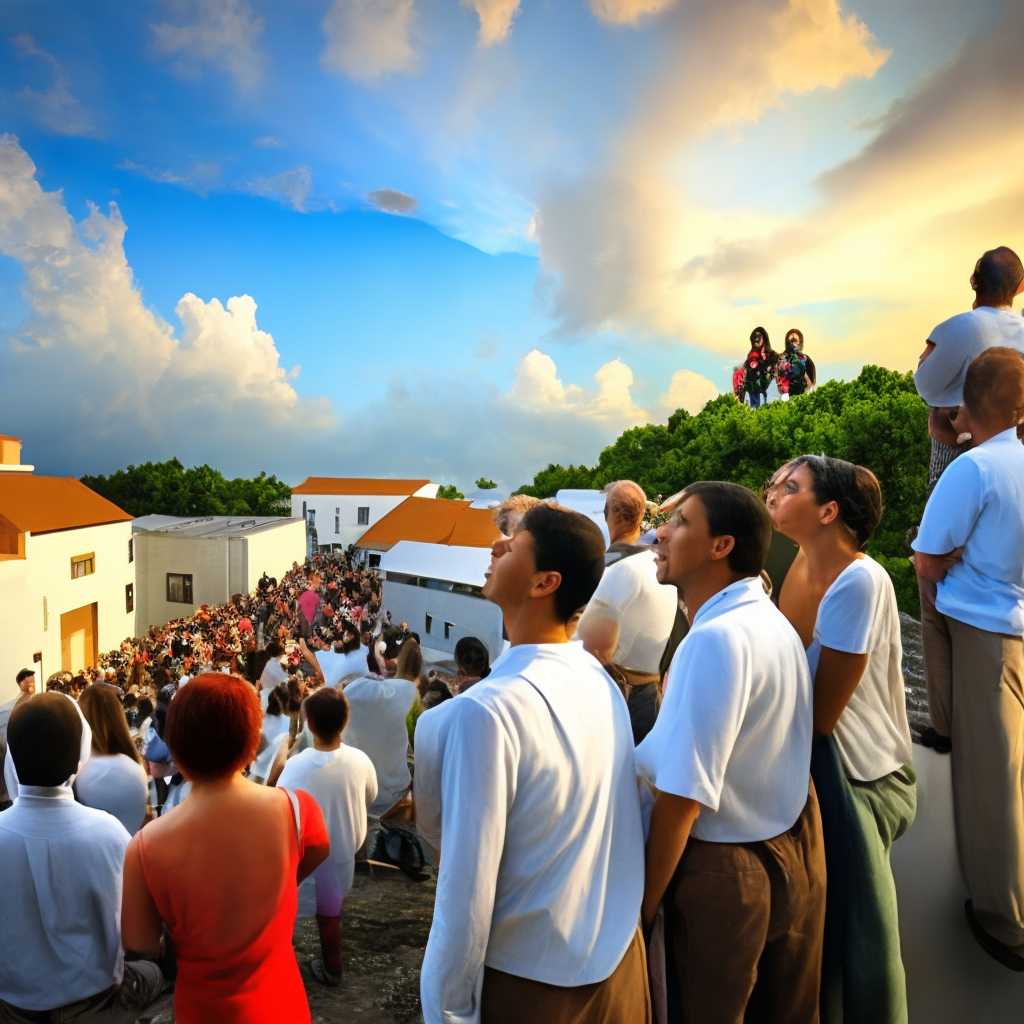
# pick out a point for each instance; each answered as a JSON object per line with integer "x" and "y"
{"x": 672, "y": 797}
{"x": 792, "y": 371}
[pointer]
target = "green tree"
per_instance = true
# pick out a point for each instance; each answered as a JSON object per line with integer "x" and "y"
{"x": 451, "y": 492}
{"x": 486, "y": 485}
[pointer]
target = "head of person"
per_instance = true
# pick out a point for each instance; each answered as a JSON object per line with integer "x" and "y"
{"x": 716, "y": 533}
{"x": 472, "y": 658}
{"x": 624, "y": 508}
{"x": 556, "y": 556}
{"x": 409, "y": 663}
{"x": 26, "y": 680}
{"x": 101, "y": 706}
{"x": 45, "y": 740}
{"x": 815, "y": 492}
{"x": 510, "y": 512}
{"x": 349, "y": 640}
{"x": 794, "y": 340}
{"x": 998, "y": 277}
{"x": 145, "y": 708}
{"x": 759, "y": 339}
{"x": 993, "y": 393}
{"x": 327, "y": 713}
{"x": 278, "y": 700}
{"x": 213, "y": 727}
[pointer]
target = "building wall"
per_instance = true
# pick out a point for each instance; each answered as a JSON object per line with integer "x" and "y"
{"x": 273, "y": 551}
{"x": 470, "y": 616}
{"x": 45, "y": 572}
{"x": 349, "y": 528}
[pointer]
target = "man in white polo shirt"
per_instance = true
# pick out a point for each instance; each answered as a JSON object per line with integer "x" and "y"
{"x": 735, "y": 843}
{"x": 971, "y": 543}
{"x": 541, "y": 870}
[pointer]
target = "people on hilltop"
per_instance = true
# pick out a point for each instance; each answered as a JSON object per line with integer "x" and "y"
{"x": 759, "y": 367}
{"x": 843, "y": 606}
{"x": 970, "y": 547}
{"x": 795, "y": 372}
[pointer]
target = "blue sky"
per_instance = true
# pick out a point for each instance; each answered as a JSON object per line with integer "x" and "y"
{"x": 411, "y": 237}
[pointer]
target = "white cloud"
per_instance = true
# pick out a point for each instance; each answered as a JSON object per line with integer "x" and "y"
{"x": 495, "y": 19}
{"x": 290, "y": 188}
{"x": 369, "y": 39}
{"x": 627, "y": 12}
{"x": 200, "y": 176}
{"x": 267, "y": 142}
{"x": 56, "y": 109}
{"x": 687, "y": 390}
{"x": 95, "y": 373}
{"x": 214, "y": 33}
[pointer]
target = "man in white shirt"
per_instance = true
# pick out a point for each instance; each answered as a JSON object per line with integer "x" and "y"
{"x": 628, "y": 620}
{"x": 735, "y": 842}
{"x": 971, "y": 544}
{"x": 541, "y": 869}
{"x": 60, "y": 940}
{"x": 26, "y": 680}
{"x": 345, "y": 659}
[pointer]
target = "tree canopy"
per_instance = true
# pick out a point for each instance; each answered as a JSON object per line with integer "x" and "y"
{"x": 168, "y": 488}
{"x": 485, "y": 485}
{"x": 877, "y": 420}
{"x": 451, "y": 492}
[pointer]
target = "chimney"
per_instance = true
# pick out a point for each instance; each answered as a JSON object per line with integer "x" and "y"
{"x": 10, "y": 455}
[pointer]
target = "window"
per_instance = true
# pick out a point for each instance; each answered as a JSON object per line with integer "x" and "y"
{"x": 131, "y": 549}
{"x": 129, "y": 597}
{"x": 337, "y": 521}
{"x": 83, "y": 565}
{"x": 373, "y": 561}
{"x": 448, "y": 627}
{"x": 429, "y": 621}
{"x": 311, "y": 518}
{"x": 179, "y": 587}
{"x": 363, "y": 515}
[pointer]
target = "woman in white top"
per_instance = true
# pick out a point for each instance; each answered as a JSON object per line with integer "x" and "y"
{"x": 113, "y": 779}
{"x": 843, "y": 605}
{"x": 273, "y": 734}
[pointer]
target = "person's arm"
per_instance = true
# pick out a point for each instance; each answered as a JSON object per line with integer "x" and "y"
{"x": 839, "y": 673}
{"x": 141, "y": 926}
{"x": 310, "y": 658}
{"x": 599, "y": 632}
{"x": 934, "y": 567}
{"x": 280, "y": 760}
{"x": 316, "y": 845}
{"x": 672, "y": 818}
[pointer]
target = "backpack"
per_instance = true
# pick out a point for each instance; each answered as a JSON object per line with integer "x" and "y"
{"x": 401, "y": 847}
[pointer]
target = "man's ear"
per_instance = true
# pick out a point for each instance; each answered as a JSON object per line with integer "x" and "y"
{"x": 545, "y": 583}
{"x": 721, "y": 546}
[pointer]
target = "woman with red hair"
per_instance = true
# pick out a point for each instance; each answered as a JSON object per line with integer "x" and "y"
{"x": 220, "y": 872}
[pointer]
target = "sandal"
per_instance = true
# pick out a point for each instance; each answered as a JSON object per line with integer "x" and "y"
{"x": 317, "y": 969}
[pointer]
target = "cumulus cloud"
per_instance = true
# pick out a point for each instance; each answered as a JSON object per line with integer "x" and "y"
{"x": 392, "y": 201}
{"x": 213, "y": 33}
{"x": 495, "y": 19}
{"x": 627, "y": 12}
{"x": 94, "y": 373}
{"x": 369, "y": 39}
{"x": 56, "y": 109}
{"x": 687, "y": 390}
{"x": 290, "y": 188}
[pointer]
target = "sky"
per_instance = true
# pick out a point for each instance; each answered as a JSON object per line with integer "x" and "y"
{"x": 447, "y": 239}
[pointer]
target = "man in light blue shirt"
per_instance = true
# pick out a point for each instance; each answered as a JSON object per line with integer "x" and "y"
{"x": 971, "y": 544}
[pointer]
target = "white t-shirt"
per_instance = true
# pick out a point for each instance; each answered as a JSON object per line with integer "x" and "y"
{"x": 274, "y": 673}
{"x": 542, "y": 841}
{"x": 858, "y": 615}
{"x": 978, "y": 504}
{"x": 378, "y": 709}
{"x": 344, "y": 784}
{"x": 60, "y": 894}
{"x": 116, "y": 784}
{"x": 336, "y": 666}
{"x": 629, "y": 593}
{"x": 735, "y": 727}
{"x": 275, "y": 730}
{"x": 958, "y": 340}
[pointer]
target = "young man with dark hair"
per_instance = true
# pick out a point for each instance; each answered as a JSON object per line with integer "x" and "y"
{"x": 971, "y": 549}
{"x": 735, "y": 844}
{"x": 541, "y": 869}
{"x": 342, "y": 781}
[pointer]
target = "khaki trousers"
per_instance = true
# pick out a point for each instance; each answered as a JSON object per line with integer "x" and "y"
{"x": 746, "y": 922}
{"x": 623, "y": 998}
{"x": 988, "y": 774}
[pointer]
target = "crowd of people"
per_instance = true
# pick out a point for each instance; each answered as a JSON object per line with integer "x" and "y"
{"x": 792, "y": 371}
{"x": 672, "y": 797}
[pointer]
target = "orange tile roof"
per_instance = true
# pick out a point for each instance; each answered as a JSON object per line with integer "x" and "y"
{"x": 42, "y": 504}
{"x": 357, "y": 485}
{"x": 432, "y": 521}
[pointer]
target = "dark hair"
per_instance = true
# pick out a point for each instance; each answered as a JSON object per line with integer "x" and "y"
{"x": 213, "y": 726}
{"x": 277, "y": 702}
{"x": 101, "y": 706}
{"x": 799, "y": 334}
{"x": 327, "y": 712}
{"x": 472, "y": 657}
{"x": 273, "y": 649}
{"x": 410, "y": 661}
{"x": 998, "y": 274}
{"x": 734, "y": 511}
{"x": 764, "y": 336}
{"x": 145, "y": 708}
{"x": 570, "y": 544}
{"x": 24, "y": 674}
{"x": 854, "y": 489}
{"x": 994, "y": 387}
{"x": 44, "y": 737}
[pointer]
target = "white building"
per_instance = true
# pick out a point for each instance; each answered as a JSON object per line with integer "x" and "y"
{"x": 182, "y": 563}
{"x": 67, "y": 579}
{"x": 338, "y": 510}
{"x": 590, "y": 502}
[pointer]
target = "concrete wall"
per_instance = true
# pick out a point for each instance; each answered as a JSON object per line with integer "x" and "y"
{"x": 470, "y": 616}
{"x": 273, "y": 551}
{"x": 45, "y": 572}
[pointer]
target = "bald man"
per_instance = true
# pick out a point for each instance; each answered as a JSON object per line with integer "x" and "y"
{"x": 627, "y": 623}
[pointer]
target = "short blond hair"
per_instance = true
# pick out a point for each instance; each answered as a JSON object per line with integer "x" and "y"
{"x": 507, "y": 515}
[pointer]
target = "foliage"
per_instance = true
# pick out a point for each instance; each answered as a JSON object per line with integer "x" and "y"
{"x": 486, "y": 485}
{"x": 904, "y": 581}
{"x": 450, "y": 491}
{"x": 877, "y": 420}
{"x": 167, "y": 488}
